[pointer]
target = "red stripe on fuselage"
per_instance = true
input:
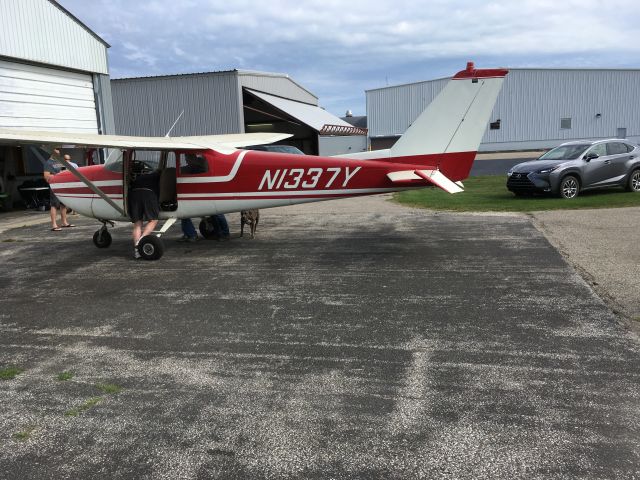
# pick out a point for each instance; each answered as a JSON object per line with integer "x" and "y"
{"x": 454, "y": 166}
{"x": 279, "y": 174}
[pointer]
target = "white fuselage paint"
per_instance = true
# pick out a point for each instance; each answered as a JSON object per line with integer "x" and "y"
{"x": 200, "y": 205}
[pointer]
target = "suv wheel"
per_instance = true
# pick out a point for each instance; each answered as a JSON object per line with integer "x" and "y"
{"x": 633, "y": 185}
{"x": 569, "y": 187}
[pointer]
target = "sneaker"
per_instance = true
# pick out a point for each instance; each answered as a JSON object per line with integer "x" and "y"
{"x": 136, "y": 253}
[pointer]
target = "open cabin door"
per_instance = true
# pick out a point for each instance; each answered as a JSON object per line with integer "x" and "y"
{"x": 145, "y": 161}
{"x": 126, "y": 178}
{"x": 168, "y": 182}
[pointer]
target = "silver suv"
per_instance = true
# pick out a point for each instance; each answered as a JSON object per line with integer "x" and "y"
{"x": 576, "y": 166}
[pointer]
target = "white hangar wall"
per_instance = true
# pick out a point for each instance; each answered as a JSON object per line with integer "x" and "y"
{"x": 54, "y": 76}
{"x": 531, "y": 107}
{"x": 53, "y": 70}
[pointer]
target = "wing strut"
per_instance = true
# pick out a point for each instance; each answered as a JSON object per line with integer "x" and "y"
{"x": 92, "y": 186}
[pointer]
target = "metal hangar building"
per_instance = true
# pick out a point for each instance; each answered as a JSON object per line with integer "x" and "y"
{"x": 536, "y": 108}
{"x": 234, "y": 101}
{"x": 53, "y": 76}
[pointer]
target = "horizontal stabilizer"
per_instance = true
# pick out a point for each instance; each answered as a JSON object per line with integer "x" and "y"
{"x": 432, "y": 176}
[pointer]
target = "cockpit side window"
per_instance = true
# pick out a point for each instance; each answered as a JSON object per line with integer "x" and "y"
{"x": 193, "y": 164}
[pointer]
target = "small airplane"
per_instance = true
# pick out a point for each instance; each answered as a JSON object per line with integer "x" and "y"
{"x": 438, "y": 149}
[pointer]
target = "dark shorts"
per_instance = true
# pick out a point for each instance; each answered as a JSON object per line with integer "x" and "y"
{"x": 143, "y": 205}
{"x": 54, "y": 201}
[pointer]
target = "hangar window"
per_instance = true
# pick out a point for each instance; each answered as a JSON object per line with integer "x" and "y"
{"x": 565, "y": 123}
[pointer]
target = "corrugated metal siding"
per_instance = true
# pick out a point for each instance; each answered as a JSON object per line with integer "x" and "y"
{"x": 38, "y": 31}
{"x": 329, "y": 146}
{"x": 390, "y": 111}
{"x": 102, "y": 87}
{"x": 532, "y": 102}
{"x": 276, "y": 85}
{"x": 149, "y": 106}
{"x": 530, "y": 106}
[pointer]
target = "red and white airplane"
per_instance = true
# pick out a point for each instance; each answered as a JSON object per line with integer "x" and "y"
{"x": 437, "y": 149}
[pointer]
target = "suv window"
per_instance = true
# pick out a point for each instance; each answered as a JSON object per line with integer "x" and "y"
{"x": 599, "y": 149}
{"x": 565, "y": 152}
{"x": 616, "y": 148}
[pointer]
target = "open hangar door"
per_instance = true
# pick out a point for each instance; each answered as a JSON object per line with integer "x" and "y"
{"x": 39, "y": 98}
{"x": 262, "y": 116}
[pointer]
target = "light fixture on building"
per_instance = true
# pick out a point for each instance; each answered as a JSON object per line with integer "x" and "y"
{"x": 598, "y": 115}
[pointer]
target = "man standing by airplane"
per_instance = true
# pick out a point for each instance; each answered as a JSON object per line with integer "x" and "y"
{"x": 51, "y": 167}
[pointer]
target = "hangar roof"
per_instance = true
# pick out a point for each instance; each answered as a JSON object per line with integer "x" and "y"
{"x": 276, "y": 83}
{"x": 79, "y": 22}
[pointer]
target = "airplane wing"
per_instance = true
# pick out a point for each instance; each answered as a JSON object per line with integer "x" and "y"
{"x": 215, "y": 142}
{"x": 220, "y": 143}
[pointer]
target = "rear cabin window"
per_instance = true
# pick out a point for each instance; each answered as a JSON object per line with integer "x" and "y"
{"x": 193, "y": 164}
{"x": 617, "y": 148}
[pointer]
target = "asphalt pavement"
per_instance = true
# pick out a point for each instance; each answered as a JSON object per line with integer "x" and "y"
{"x": 350, "y": 339}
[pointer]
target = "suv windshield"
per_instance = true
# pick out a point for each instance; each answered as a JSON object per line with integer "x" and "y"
{"x": 565, "y": 152}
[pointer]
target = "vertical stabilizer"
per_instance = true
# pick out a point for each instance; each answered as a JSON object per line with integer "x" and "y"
{"x": 455, "y": 121}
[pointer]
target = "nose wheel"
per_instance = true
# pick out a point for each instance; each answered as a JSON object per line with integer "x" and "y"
{"x": 102, "y": 238}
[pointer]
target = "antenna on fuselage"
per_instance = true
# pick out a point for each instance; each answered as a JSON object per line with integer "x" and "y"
{"x": 174, "y": 124}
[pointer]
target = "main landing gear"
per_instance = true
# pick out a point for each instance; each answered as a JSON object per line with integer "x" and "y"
{"x": 150, "y": 247}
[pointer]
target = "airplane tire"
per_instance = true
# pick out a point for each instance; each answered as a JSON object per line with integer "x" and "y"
{"x": 150, "y": 247}
{"x": 206, "y": 229}
{"x": 102, "y": 239}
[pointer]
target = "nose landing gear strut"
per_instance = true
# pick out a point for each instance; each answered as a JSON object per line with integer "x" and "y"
{"x": 102, "y": 237}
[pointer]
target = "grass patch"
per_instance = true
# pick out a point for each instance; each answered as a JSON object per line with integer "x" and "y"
{"x": 109, "y": 388}
{"x": 489, "y": 194}
{"x": 10, "y": 373}
{"x": 64, "y": 376}
{"x": 9, "y": 240}
{"x": 74, "y": 412}
{"x": 25, "y": 434}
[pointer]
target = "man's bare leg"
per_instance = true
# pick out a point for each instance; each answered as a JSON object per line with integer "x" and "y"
{"x": 63, "y": 215}
{"x": 137, "y": 232}
{"x": 53, "y": 213}
{"x": 149, "y": 227}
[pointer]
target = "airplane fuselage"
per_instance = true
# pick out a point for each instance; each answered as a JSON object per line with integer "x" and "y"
{"x": 248, "y": 179}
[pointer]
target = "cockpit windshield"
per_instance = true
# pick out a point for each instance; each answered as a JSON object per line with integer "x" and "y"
{"x": 148, "y": 160}
{"x": 566, "y": 152}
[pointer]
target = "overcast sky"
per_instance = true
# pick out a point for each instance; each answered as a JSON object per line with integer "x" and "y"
{"x": 337, "y": 49}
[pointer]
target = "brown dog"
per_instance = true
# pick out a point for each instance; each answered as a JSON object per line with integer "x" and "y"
{"x": 250, "y": 217}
